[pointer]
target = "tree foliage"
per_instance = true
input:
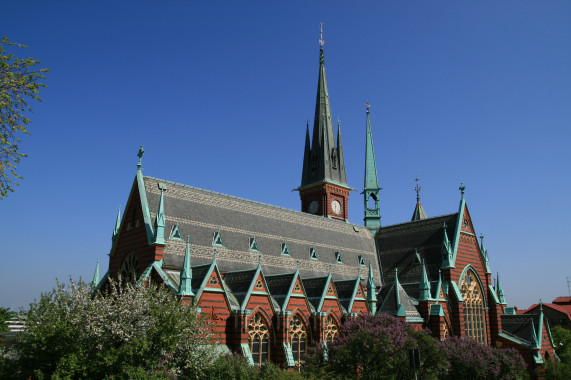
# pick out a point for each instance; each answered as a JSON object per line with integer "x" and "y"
{"x": 20, "y": 82}
{"x": 5, "y": 315}
{"x": 131, "y": 330}
{"x": 562, "y": 340}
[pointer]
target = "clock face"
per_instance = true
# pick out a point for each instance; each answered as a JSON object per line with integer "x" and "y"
{"x": 313, "y": 207}
{"x": 336, "y": 206}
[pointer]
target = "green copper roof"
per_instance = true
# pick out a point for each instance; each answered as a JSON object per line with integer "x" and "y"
{"x": 324, "y": 160}
{"x": 419, "y": 213}
{"x": 143, "y": 197}
{"x": 185, "y": 288}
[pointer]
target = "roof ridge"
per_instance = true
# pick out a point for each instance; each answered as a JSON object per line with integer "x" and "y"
{"x": 419, "y": 221}
{"x": 254, "y": 202}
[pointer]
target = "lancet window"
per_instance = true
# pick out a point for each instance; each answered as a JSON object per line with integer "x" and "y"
{"x": 259, "y": 336}
{"x": 331, "y": 329}
{"x": 474, "y": 310}
{"x": 297, "y": 337}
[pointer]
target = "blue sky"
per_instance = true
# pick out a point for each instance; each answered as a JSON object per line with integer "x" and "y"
{"x": 219, "y": 93}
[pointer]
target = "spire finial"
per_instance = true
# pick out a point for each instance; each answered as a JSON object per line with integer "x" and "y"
{"x": 297, "y": 264}
{"x": 140, "y": 155}
{"x": 367, "y": 106}
{"x": 417, "y": 188}
{"x": 321, "y": 40}
{"x": 462, "y": 188}
{"x": 260, "y": 259}
{"x": 338, "y": 122}
{"x": 482, "y": 239}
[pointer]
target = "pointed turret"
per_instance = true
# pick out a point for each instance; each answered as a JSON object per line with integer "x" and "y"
{"x": 419, "y": 213}
{"x": 371, "y": 289}
{"x": 424, "y": 285}
{"x": 186, "y": 273}
{"x": 446, "y": 249}
{"x": 484, "y": 254}
{"x": 500, "y": 291}
{"x": 323, "y": 169}
{"x": 160, "y": 221}
{"x": 371, "y": 187}
{"x": 95, "y": 281}
{"x": 438, "y": 286}
{"x": 117, "y": 225}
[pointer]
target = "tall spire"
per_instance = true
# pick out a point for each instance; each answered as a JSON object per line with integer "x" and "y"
{"x": 324, "y": 163}
{"x": 419, "y": 213}
{"x": 186, "y": 273}
{"x": 371, "y": 187}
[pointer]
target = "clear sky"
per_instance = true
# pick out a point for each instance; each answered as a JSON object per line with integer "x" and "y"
{"x": 219, "y": 92}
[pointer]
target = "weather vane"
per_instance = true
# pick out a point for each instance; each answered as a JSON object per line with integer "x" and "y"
{"x": 321, "y": 40}
{"x": 367, "y": 106}
{"x": 417, "y": 188}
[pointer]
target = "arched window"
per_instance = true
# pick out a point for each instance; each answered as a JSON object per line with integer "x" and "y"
{"x": 474, "y": 311}
{"x": 297, "y": 337}
{"x": 130, "y": 267}
{"x": 259, "y": 339}
{"x": 331, "y": 329}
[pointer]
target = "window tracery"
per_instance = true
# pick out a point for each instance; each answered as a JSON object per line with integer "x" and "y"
{"x": 331, "y": 329}
{"x": 298, "y": 338}
{"x": 259, "y": 339}
{"x": 474, "y": 310}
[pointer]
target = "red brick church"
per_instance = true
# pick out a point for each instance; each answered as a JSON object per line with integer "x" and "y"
{"x": 277, "y": 280}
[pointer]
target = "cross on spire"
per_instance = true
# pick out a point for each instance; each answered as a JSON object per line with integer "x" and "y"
{"x": 417, "y": 188}
{"x": 367, "y": 106}
{"x": 321, "y": 40}
{"x": 140, "y": 155}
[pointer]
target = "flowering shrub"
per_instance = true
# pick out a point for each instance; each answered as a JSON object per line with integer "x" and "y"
{"x": 377, "y": 347}
{"x": 129, "y": 330}
{"x": 472, "y": 360}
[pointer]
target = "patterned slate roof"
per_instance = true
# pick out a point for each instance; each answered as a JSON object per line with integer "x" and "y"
{"x": 394, "y": 296}
{"x": 345, "y": 290}
{"x": 201, "y": 213}
{"x": 399, "y": 243}
{"x": 522, "y": 326}
{"x": 279, "y": 286}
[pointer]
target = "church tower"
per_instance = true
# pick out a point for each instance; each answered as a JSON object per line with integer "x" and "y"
{"x": 324, "y": 190}
{"x": 371, "y": 188}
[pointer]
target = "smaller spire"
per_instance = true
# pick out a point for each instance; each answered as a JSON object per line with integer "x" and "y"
{"x": 424, "y": 285}
{"x": 418, "y": 213}
{"x": 500, "y": 290}
{"x": 214, "y": 256}
{"x": 160, "y": 220}
{"x": 371, "y": 296}
{"x": 95, "y": 281}
{"x": 259, "y": 259}
{"x": 140, "y": 155}
{"x": 446, "y": 249}
{"x": 297, "y": 264}
{"x": 439, "y": 285}
{"x": 462, "y": 188}
{"x": 117, "y": 225}
{"x": 186, "y": 273}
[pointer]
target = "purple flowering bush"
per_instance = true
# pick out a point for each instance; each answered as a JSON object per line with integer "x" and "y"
{"x": 472, "y": 360}
{"x": 377, "y": 347}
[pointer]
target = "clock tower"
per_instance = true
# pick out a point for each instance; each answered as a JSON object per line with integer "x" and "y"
{"x": 324, "y": 190}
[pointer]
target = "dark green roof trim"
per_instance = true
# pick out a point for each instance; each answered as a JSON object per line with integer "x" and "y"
{"x": 145, "y": 207}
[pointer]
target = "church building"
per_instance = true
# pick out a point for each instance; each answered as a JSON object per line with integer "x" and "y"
{"x": 276, "y": 280}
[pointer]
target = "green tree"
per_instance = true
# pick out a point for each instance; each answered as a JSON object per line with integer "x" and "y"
{"x": 20, "y": 82}
{"x": 553, "y": 368}
{"x": 5, "y": 315}
{"x": 130, "y": 332}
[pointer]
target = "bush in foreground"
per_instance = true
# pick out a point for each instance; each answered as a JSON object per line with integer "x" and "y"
{"x": 130, "y": 330}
